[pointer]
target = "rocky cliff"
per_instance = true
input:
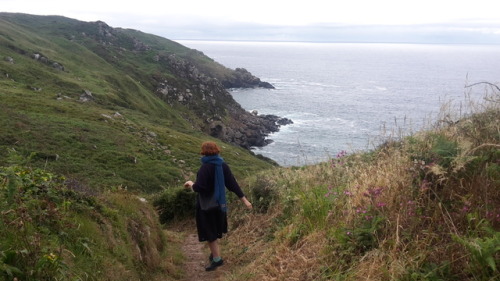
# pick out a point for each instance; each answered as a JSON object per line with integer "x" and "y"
{"x": 222, "y": 116}
{"x": 201, "y": 89}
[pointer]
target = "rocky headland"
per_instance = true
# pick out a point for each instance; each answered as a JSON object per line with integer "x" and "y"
{"x": 209, "y": 98}
{"x": 204, "y": 91}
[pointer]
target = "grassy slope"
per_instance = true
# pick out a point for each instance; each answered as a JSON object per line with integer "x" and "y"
{"x": 86, "y": 226}
{"x": 51, "y": 232}
{"x": 422, "y": 208}
{"x": 151, "y": 146}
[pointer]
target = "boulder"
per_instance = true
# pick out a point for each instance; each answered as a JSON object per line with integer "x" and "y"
{"x": 58, "y": 66}
{"x": 86, "y": 96}
{"x": 9, "y": 60}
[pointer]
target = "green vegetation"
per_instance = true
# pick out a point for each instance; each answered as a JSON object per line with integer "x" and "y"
{"x": 84, "y": 185}
{"x": 53, "y": 229}
{"x": 124, "y": 135}
{"x": 175, "y": 204}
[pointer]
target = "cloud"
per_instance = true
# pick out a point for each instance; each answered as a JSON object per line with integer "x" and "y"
{"x": 425, "y": 33}
{"x": 443, "y": 21}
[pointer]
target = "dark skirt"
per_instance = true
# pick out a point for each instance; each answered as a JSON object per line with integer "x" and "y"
{"x": 210, "y": 224}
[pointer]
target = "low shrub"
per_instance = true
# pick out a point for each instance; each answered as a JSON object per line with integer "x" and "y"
{"x": 263, "y": 195}
{"x": 175, "y": 204}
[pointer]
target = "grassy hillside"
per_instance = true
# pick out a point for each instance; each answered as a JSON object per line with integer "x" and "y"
{"x": 81, "y": 97}
{"x": 53, "y": 229}
{"x": 424, "y": 207}
{"x": 85, "y": 135}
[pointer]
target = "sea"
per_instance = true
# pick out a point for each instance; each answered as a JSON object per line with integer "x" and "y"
{"x": 352, "y": 97}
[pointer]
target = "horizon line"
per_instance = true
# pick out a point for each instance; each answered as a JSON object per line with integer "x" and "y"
{"x": 332, "y": 42}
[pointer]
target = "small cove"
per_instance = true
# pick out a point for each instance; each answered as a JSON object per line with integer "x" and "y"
{"x": 344, "y": 97}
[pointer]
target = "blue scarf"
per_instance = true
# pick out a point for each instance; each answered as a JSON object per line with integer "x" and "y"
{"x": 220, "y": 188}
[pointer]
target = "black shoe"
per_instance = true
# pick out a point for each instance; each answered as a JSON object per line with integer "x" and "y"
{"x": 213, "y": 265}
{"x": 210, "y": 258}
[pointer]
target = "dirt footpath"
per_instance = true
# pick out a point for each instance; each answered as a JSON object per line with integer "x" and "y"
{"x": 196, "y": 258}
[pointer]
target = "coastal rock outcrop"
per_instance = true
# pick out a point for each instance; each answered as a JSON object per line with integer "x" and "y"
{"x": 252, "y": 131}
{"x": 209, "y": 100}
{"x": 242, "y": 78}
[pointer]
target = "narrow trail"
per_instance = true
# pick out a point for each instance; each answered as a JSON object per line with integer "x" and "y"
{"x": 196, "y": 258}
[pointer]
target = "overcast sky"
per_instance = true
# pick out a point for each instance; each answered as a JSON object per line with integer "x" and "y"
{"x": 432, "y": 21}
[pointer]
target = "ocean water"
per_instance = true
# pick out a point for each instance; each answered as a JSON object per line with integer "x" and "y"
{"x": 350, "y": 97}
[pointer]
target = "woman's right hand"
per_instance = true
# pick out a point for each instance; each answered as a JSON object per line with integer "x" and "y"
{"x": 188, "y": 184}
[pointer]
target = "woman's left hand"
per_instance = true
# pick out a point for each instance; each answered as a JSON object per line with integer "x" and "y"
{"x": 247, "y": 203}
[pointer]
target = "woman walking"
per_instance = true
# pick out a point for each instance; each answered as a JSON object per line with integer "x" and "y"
{"x": 213, "y": 177}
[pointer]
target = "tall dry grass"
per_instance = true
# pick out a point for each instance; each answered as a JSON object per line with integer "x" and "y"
{"x": 423, "y": 206}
